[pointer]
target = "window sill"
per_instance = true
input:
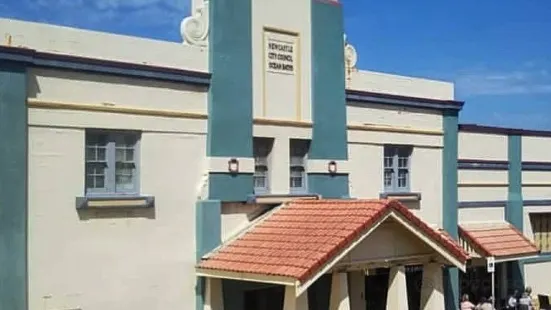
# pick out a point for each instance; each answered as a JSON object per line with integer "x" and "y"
{"x": 115, "y": 202}
{"x": 279, "y": 199}
{"x": 401, "y": 196}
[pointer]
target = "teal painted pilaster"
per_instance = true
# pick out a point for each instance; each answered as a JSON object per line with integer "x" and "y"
{"x": 230, "y": 104}
{"x": 13, "y": 186}
{"x": 329, "y": 132}
{"x": 449, "y": 201}
{"x": 514, "y": 212}
{"x": 329, "y": 186}
{"x": 207, "y": 237}
{"x": 228, "y": 187}
{"x": 514, "y": 208}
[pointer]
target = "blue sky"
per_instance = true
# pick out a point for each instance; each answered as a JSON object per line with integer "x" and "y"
{"x": 497, "y": 52}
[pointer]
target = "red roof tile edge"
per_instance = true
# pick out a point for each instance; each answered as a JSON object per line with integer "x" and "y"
{"x": 443, "y": 240}
{"x": 485, "y": 251}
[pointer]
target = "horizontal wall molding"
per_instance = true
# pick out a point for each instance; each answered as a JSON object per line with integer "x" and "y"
{"x": 36, "y": 58}
{"x": 397, "y": 129}
{"x": 502, "y": 203}
{"x": 359, "y": 98}
{"x": 111, "y": 108}
{"x": 536, "y": 166}
{"x": 542, "y": 258}
{"x": 474, "y": 128}
{"x": 537, "y": 203}
{"x": 482, "y": 164}
{"x": 482, "y": 204}
{"x": 481, "y": 184}
{"x": 536, "y": 184}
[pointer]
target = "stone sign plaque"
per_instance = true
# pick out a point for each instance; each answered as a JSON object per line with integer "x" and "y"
{"x": 280, "y": 56}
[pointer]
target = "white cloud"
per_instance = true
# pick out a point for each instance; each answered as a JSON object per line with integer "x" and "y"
{"x": 121, "y": 14}
{"x": 530, "y": 79}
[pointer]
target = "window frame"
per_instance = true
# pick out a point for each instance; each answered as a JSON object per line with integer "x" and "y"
{"x": 298, "y": 157}
{"x": 396, "y": 151}
{"x": 110, "y": 187}
{"x": 262, "y": 148}
{"x": 541, "y": 224}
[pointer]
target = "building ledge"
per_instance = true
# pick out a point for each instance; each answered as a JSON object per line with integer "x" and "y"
{"x": 114, "y": 202}
{"x": 280, "y": 198}
{"x": 541, "y": 258}
{"x": 403, "y": 197}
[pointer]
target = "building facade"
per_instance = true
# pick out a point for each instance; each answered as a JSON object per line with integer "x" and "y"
{"x": 254, "y": 163}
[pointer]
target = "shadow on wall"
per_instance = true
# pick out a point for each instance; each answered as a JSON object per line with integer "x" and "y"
{"x": 412, "y": 205}
{"x": 118, "y": 213}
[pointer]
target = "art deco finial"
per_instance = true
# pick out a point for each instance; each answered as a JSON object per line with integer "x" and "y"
{"x": 350, "y": 55}
{"x": 195, "y": 28}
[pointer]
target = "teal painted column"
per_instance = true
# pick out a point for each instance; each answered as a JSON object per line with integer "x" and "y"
{"x": 514, "y": 207}
{"x": 13, "y": 186}
{"x": 514, "y": 212}
{"x": 230, "y": 103}
{"x": 449, "y": 202}
{"x": 207, "y": 237}
{"x": 329, "y": 131}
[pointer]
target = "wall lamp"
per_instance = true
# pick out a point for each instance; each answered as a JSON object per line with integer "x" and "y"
{"x": 332, "y": 167}
{"x": 233, "y": 166}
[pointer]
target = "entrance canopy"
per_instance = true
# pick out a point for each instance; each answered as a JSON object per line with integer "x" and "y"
{"x": 303, "y": 239}
{"x": 499, "y": 239}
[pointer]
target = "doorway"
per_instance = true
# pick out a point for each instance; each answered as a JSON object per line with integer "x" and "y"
{"x": 376, "y": 288}
{"x": 270, "y": 298}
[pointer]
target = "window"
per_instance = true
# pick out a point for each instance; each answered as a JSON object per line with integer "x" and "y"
{"x": 297, "y": 176}
{"x": 541, "y": 228}
{"x": 261, "y": 149}
{"x": 111, "y": 162}
{"x": 397, "y": 168}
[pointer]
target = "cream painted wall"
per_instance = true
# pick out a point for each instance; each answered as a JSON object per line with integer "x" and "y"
{"x": 482, "y": 146}
{"x": 237, "y": 217}
{"x": 482, "y": 177}
{"x": 537, "y": 277}
{"x": 536, "y": 177}
{"x": 426, "y": 178}
{"x": 366, "y": 177}
{"x": 389, "y": 240}
{"x": 477, "y": 193}
{"x": 529, "y": 193}
{"x": 85, "y": 43}
{"x": 359, "y": 114}
{"x": 536, "y": 149}
{"x": 77, "y": 87}
{"x": 366, "y": 170}
{"x": 380, "y": 137}
{"x": 270, "y": 100}
{"x": 400, "y": 85}
{"x": 488, "y": 214}
{"x": 140, "y": 259}
{"x": 536, "y": 185}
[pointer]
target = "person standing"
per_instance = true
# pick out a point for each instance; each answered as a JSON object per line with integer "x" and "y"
{"x": 466, "y": 304}
{"x": 512, "y": 301}
{"x": 525, "y": 302}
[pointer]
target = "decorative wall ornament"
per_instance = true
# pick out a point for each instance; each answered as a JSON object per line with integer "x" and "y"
{"x": 195, "y": 28}
{"x": 350, "y": 57}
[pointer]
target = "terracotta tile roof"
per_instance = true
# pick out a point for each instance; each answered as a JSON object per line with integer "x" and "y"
{"x": 497, "y": 239}
{"x": 300, "y": 237}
